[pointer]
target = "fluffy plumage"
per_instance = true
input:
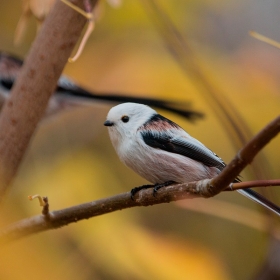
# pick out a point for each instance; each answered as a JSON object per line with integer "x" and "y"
{"x": 160, "y": 151}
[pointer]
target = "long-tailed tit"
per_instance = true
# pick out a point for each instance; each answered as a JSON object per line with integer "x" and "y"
{"x": 69, "y": 94}
{"x": 160, "y": 151}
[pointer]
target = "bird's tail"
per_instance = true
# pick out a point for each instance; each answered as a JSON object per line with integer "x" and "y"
{"x": 260, "y": 200}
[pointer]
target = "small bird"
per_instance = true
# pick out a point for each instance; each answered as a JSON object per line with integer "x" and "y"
{"x": 162, "y": 152}
{"x": 68, "y": 94}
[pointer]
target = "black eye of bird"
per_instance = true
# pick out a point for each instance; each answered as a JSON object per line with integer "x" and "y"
{"x": 125, "y": 119}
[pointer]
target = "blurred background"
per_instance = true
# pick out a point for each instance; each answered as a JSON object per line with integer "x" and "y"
{"x": 71, "y": 160}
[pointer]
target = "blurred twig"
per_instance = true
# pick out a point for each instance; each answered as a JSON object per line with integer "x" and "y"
{"x": 88, "y": 14}
{"x": 265, "y": 39}
{"x": 44, "y": 202}
{"x": 34, "y": 86}
{"x": 204, "y": 188}
{"x": 245, "y": 156}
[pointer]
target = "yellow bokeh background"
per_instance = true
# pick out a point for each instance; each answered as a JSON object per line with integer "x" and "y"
{"x": 72, "y": 161}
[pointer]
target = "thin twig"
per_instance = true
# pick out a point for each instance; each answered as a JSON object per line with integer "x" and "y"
{"x": 265, "y": 39}
{"x": 253, "y": 184}
{"x": 244, "y": 157}
{"x": 89, "y": 16}
{"x": 88, "y": 210}
{"x": 63, "y": 217}
{"x": 46, "y": 208}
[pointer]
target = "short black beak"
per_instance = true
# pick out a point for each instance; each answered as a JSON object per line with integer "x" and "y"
{"x": 108, "y": 123}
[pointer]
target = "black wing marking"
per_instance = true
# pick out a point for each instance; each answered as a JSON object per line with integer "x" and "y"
{"x": 182, "y": 146}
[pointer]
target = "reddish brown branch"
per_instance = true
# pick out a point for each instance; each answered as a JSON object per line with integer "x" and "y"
{"x": 74, "y": 214}
{"x": 205, "y": 188}
{"x": 253, "y": 184}
{"x": 63, "y": 217}
{"x": 243, "y": 157}
{"x": 34, "y": 86}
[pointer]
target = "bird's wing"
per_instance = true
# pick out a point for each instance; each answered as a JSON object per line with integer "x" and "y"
{"x": 198, "y": 152}
{"x": 186, "y": 146}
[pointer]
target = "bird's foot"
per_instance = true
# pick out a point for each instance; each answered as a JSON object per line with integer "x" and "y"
{"x": 137, "y": 189}
{"x": 156, "y": 188}
{"x": 159, "y": 186}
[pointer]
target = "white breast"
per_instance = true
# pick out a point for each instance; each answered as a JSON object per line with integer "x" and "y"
{"x": 158, "y": 166}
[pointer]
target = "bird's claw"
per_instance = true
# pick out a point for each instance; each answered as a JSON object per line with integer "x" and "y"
{"x": 159, "y": 186}
{"x": 137, "y": 189}
{"x": 156, "y": 188}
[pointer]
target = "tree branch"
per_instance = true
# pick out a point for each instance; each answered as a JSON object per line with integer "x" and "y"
{"x": 204, "y": 188}
{"x": 34, "y": 86}
{"x": 63, "y": 217}
{"x": 73, "y": 214}
{"x": 244, "y": 157}
{"x": 253, "y": 184}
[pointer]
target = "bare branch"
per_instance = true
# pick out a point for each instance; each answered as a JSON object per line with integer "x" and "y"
{"x": 34, "y": 86}
{"x": 244, "y": 157}
{"x": 76, "y": 213}
{"x": 204, "y": 188}
{"x": 63, "y": 217}
{"x": 253, "y": 184}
